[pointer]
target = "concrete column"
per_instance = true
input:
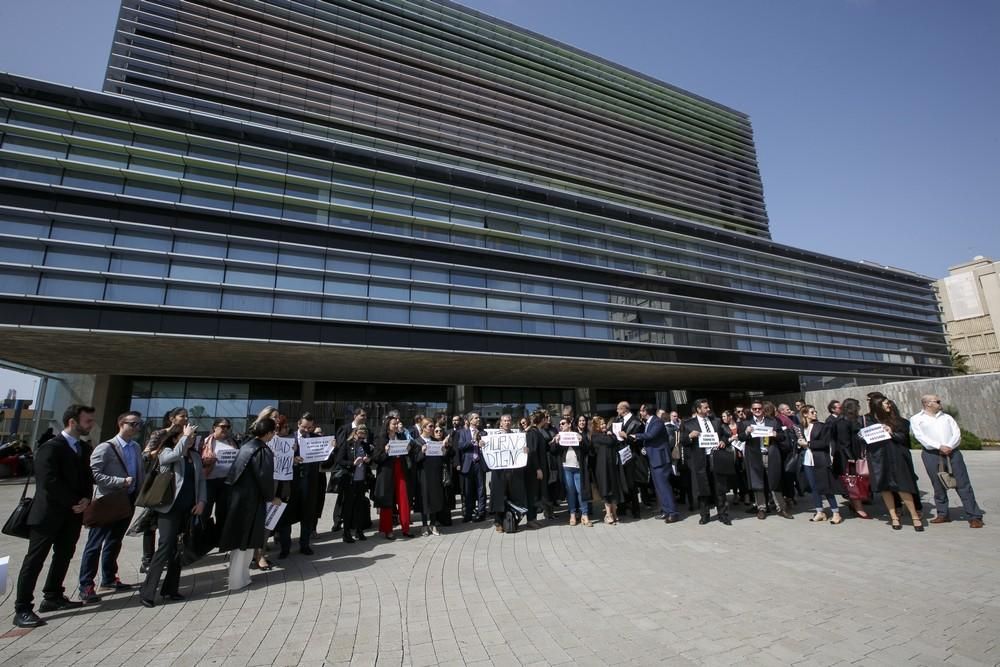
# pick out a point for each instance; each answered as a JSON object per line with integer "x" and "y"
{"x": 308, "y": 396}
{"x": 461, "y": 402}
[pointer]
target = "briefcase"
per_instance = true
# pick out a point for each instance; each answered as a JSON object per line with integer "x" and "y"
{"x": 944, "y": 474}
{"x": 108, "y": 509}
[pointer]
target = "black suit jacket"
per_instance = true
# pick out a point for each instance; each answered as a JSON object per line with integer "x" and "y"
{"x": 62, "y": 479}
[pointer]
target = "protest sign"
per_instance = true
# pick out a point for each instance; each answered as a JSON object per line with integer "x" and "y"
{"x": 504, "y": 451}
{"x": 738, "y": 445}
{"x": 273, "y": 515}
{"x": 315, "y": 450}
{"x": 761, "y": 431}
{"x": 434, "y": 449}
{"x": 616, "y": 428}
{"x": 398, "y": 447}
{"x": 708, "y": 440}
{"x": 874, "y": 433}
{"x": 625, "y": 454}
{"x": 284, "y": 455}
{"x": 224, "y": 460}
{"x": 569, "y": 439}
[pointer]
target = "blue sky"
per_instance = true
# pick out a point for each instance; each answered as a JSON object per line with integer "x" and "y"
{"x": 876, "y": 121}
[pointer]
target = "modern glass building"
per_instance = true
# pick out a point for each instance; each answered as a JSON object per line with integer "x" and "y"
{"x": 327, "y": 203}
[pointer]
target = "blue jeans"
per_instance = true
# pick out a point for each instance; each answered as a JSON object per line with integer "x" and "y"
{"x": 817, "y": 501}
{"x": 104, "y": 543}
{"x": 574, "y": 495}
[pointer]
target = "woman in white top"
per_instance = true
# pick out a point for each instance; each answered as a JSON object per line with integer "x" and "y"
{"x": 573, "y": 461}
{"x": 217, "y": 453}
{"x": 814, "y": 441}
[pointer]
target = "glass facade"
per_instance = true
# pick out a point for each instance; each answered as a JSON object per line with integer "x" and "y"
{"x": 432, "y": 180}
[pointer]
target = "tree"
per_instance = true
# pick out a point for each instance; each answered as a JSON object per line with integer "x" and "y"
{"x": 960, "y": 363}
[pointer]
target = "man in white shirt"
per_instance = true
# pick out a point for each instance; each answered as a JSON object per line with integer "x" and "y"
{"x": 940, "y": 436}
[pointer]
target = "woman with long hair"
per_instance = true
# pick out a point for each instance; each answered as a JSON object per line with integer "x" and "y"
{"x": 391, "y": 490}
{"x": 260, "y": 560}
{"x": 352, "y": 464}
{"x": 850, "y": 448}
{"x": 174, "y": 423}
{"x": 574, "y": 470}
{"x": 535, "y": 439}
{"x": 220, "y": 444}
{"x": 890, "y": 461}
{"x": 431, "y": 470}
{"x": 608, "y": 474}
{"x": 817, "y": 464}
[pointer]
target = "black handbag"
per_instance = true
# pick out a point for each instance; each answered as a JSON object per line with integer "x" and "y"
{"x": 157, "y": 490}
{"x": 17, "y": 522}
{"x": 199, "y": 537}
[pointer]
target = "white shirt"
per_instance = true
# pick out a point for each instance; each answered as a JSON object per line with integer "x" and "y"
{"x": 935, "y": 432}
{"x": 807, "y": 455}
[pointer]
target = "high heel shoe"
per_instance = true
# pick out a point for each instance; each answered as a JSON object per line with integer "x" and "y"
{"x": 918, "y": 524}
{"x": 896, "y": 525}
{"x": 819, "y": 518}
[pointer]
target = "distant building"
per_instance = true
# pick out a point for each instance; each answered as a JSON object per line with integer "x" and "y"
{"x": 970, "y": 305}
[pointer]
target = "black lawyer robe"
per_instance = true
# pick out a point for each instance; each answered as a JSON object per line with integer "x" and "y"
{"x": 251, "y": 487}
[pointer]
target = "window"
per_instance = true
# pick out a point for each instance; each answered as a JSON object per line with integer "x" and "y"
{"x": 468, "y": 279}
{"x": 249, "y": 277}
{"x": 251, "y": 302}
{"x": 202, "y": 272}
{"x": 303, "y": 282}
{"x": 25, "y": 171}
{"x": 499, "y": 323}
{"x": 161, "y": 167}
{"x": 494, "y": 302}
{"x": 143, "y": 239}
{"x": 345, "y": 286}
{"x": 21, "y": 252}
{"x": 105, "y": 158}
{"x": 77, "y": 258}
{"x": 291, "y": 305}
{"x": 258, "y": 206}
{"x": 390, "y": 269}
{"x": 210, "y": 176}
{"x": 537, "y": 326}
{"x": 468, "y": 299}
{"x": 431, "y": 275}
{"x": 12, "y": 142}
{"x": 66, "y": 231}
{"x": 200, "y": 247}
{"x": 100, "y": 183}
{"x": 344, "y": 310}
{"x": 148, "y": 190}
{"x": 300, "y": 258}
{"x": 429, "y": 317}
{"x": 261, "y": 184}
{"x": 389, "y": 291}
{"x": 134, "y": 292}
{"x": 192, "y": 297}
{"x": 74, "y": 287}
{"x": 253, "y": 253}
{"x": 13, "y": 281}
{"x": 355, "y": 265}
{"x": 391, "y": 314}
{"x": 24, "y": 225}
{"x": 206, "y": 198}
{"x": 139, "y": 265}
{"x": 467, "y": 321}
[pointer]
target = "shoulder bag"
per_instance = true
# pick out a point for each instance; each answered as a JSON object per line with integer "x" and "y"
{"x": 17, "y": 522}
{"x": 112, "y": 507}
{"x": 157, "y": 489}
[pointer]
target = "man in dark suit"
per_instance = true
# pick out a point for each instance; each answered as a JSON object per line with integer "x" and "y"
{"x": 763, "y": 477}
{"x": 63, "y": 487}
{"x": 473, "y": 470}
{"x": 637, "y": 468}
{"x": 712, "y": 466}
{"x": 656, "y": 442}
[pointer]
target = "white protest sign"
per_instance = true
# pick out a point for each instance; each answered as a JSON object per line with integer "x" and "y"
{"x": 273, "y": 515}
{"x": 625, "y": 454}
{"x": 761, "y": 431}
{"x": 434, "y": 449}
{"x": 504, "y": 451}
{"x": 315, "y": 450}
{"x": 569, "y": 439}
{"x": 738, "y": 444}
{"x": 224, "y": 460}
{"x": 616, "y": 428}
{"x": 708, "y": 440}
{"x": 398, "y": 447}
{"x": 4, "y": 564}
{"x": 874, "y": 433}
{"x": 284, "y": 455}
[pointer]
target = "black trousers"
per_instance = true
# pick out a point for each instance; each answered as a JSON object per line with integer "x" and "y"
{"x": 63, "y": 545}
{"x": 354, "y": 505}
{"x": 720, "y": 488}
{"x": 169, "y": 526}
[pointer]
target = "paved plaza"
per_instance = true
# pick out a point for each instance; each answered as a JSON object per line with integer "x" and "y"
{"x": 759, "y": 592}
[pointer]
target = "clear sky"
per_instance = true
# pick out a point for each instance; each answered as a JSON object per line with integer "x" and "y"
{"x": 877, "y": 121}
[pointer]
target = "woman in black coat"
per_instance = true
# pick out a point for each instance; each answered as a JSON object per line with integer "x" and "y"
{"x": 535, "y": 472}
{"x": 251, "y": 486}
{"x": 608, "y": 473}
{"x": 351, "y": 475}
{"x": 850, "y": 448}
{"x": 817, "y": 464}
{"x": 430, "y": 470}
{"x": 391, "y": 488}
{"x": 890, "y": 462}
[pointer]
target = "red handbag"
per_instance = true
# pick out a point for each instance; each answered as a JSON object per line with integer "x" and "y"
{"x": 856, "y": 484}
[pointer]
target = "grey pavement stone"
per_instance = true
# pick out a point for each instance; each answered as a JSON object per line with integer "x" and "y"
{"x": 759, "y": 592}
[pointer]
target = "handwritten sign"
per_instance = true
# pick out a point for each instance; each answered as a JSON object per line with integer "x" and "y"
{"x": 708, "y": 440}
{"x": 284, "y": 455}
{"x": 616, "y": 428}
{"x": 761, "y": 431}
{"x": 738, "y": 444}
{"x": 434, "y": 449}
{"x": 625, "y": 454}
{"x": 569, "y": 439}
{"x": 273, "y": 515}
{"x": 505, "y": 451}
{"x": 315, "y": 450}
{"x": 874, "y": 433}
{"x": 224, "y": 458}
{"x": 398, "y": 447}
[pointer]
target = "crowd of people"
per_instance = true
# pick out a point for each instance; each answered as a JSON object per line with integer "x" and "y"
{"x": 765, "y": 457}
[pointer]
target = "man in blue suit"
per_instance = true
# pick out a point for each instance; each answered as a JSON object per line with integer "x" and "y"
{"x": 473, "y": 470}
{"x": 657, "y": 442}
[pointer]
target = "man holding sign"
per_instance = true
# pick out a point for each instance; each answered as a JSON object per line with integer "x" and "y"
{"x": 760, "y": 433}
{"x": 636, "y": 466}
{"x": 655, "y": 441}
{"x": 711, "y": 460}
{"x": 308, "y": 486}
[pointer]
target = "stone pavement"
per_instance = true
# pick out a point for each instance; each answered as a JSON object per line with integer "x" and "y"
{"x": 759, "y": 592}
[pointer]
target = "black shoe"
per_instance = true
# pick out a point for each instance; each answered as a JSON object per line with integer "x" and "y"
{"x": 282, "y": 554}
{"x": 703, "y": 520}
{"x": 389, "y": 536}
{"x": 751, "y": 510}
{"x": 148, "y": 604}
{"x": 57, "y": 604}
{"x": 466, "y": 519}
{"x": 335, "y": 528}
{"x": 672, "y": 518}
{"x": 479, "y": 518}
{"x": 408, "y": 535}
{"x": 660, "y": 517}
{"x": 725, "y": 520}
{"x": 306, "y": 551}
{"x": 173, "y": 597}
{"x": 348, "y": 539}
{"x": 360, "y": 536}
{"x": 761, "y": 514}
{"x": 27, "y": 619}
{"x": 785, "y": 514}
{"x": 143, "y": 567}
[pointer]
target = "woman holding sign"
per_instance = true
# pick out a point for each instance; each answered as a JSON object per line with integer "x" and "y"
{"x": 392, "y": 456}
{"x": 352, "y": 466}
{"x": 889, "y": 459}
{"x": 217, "y": 455}
{"x": 251, "y": 486}
{"x": 607, "y": 468}
{"x": 572, "y": 452}
{"x": 432, "y": 461}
